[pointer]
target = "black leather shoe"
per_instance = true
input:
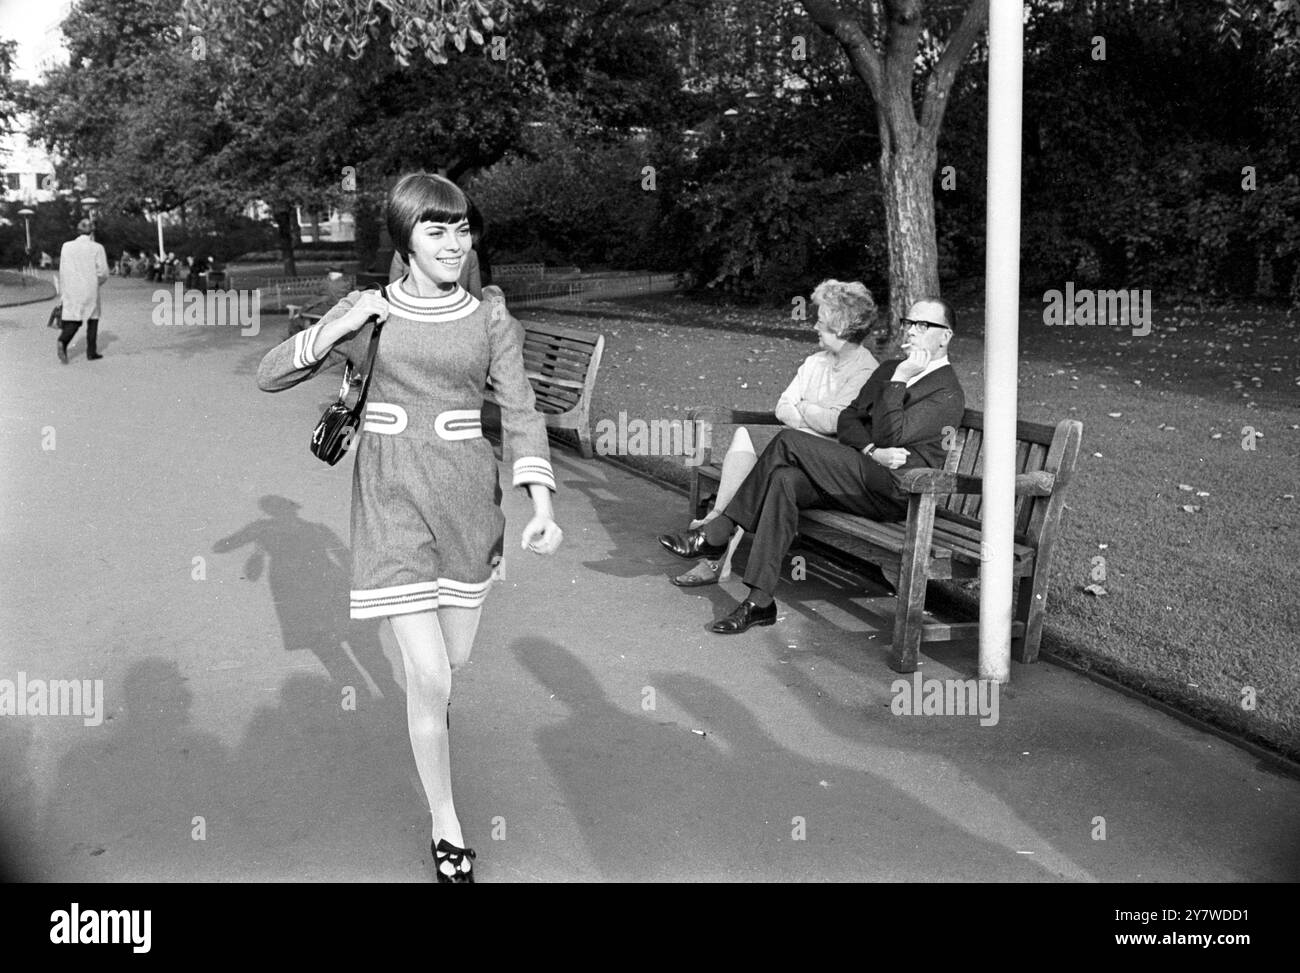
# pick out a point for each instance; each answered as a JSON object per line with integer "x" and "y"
{"x": 459, "y": 859}
{"x": 691, "y": 544}
{"x": 63, "y": 353}
{"x": 745, "y": 617}
{"x": 94, "y": 357}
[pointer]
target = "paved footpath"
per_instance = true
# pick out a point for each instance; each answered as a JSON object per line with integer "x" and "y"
{"x": 180, "y": 543}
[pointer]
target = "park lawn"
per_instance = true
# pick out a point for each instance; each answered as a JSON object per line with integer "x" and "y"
{"x": 1200, "y": 607}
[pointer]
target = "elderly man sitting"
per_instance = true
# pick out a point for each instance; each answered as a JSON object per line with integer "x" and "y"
{"x": 897, "y": 421}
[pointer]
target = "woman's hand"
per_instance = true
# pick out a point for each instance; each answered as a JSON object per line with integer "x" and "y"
{"x": 542, "y": 535}
{"x": 890, "y": 457}
{"x": 369, "y": 304}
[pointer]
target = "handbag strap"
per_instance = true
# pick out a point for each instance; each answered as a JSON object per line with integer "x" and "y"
{"x": 370, "y": 361}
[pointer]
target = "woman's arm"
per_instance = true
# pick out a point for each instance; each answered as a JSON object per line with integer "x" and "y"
{"x": 824, "y": 416}
{"x": 787, "y": 406}
{"x": 305, "y": 354}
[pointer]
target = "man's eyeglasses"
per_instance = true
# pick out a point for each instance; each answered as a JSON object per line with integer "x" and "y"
{"x": 922, "y": 326}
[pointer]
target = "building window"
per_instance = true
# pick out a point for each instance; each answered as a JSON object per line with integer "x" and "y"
{"x": 13, "y": 180}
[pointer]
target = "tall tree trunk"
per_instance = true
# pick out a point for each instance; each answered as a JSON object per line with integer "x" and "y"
{"x": 284, "y": 220}
{"x": 907, "y": 179}
{"x": 880, "y": 41}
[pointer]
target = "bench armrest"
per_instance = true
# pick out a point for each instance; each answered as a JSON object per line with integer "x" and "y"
{"x": 733, "y": 417}
{"x": 716, "y": 416}
{"x": 941, "y": 481}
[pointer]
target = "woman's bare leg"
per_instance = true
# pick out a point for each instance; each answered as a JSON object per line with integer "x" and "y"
{"x": 740, "y": 459}
{"x": 428, "y": 691}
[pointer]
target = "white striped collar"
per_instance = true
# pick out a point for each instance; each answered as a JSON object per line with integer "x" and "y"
{"x": 452, "y": 306}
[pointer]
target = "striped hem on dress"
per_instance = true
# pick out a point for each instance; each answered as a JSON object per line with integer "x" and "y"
{"x": 404, "y": 599}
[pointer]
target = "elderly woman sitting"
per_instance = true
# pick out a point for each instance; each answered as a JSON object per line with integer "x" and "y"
{"x": 826, "y": 383}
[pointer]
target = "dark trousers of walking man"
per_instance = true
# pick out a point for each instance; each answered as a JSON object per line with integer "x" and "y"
{"x": 68, "y": 330}
{"x": 801, "y": 470}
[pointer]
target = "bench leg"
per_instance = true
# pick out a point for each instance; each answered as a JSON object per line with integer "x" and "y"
{"x": 1031, "y": 600}
{"x": 913, "y": 576}
{"x": 908, "y": 615}
{"x": 584, "y": 440}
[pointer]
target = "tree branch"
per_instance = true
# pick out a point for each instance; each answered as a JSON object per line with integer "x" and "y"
{"x": 861, "y": 53}
{"x": 950, "y": 62}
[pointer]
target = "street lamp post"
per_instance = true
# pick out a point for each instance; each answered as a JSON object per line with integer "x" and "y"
{"x": 27, "y": 215}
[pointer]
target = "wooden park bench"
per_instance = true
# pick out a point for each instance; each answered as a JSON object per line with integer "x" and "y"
{"x": 561, "y": 364}
{"x": 940, "y": 538}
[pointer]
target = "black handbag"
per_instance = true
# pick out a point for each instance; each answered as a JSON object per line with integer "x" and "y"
{"x": 56, "y": 317}
{"x": 333, "y": 435}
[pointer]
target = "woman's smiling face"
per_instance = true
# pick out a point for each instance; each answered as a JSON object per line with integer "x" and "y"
{"x": 439, "y": 249}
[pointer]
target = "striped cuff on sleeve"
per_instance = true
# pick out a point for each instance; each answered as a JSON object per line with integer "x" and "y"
{"x": 303, "y": 342}
{"x": 534, "y": 469}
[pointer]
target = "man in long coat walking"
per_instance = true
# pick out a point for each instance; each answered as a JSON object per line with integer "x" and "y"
{"x": 83, "y": 267}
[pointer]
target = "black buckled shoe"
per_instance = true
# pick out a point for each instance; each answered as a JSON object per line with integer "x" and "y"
{"x": 462, "y": 872}
{"x": 745, "y": 617}
{"x": 691, "y": 544}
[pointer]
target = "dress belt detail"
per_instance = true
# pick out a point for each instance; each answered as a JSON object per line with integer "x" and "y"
{"x": 390, "y": 419}
{"x": 459, "y": 424}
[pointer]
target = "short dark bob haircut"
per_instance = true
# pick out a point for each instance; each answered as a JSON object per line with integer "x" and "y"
{"x": 418, "y": 197}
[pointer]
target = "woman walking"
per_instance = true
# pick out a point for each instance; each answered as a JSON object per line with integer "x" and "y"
{"x": 427, "y": 526}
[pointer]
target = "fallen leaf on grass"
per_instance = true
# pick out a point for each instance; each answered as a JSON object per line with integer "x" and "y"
{"x": 1095, "y": 589}
{"x": 1185, "y": 487}
{"x": 1114, "y": 415}
{"x": 1188, "y": 508}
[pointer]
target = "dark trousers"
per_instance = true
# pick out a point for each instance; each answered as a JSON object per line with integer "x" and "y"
{"x": 69, "y": 329}
{"x": 799, "y": 470}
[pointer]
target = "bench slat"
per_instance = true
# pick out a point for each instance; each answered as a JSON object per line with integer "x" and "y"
{"x": 561, "y": 347}
{"x": 578, "y": 340}
{"x": 549, "y": 368}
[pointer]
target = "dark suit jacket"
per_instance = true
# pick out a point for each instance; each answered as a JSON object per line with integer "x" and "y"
{"x": 888, "y": 413}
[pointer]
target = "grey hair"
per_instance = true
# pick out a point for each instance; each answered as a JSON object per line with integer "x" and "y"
{"x": 846, "y": 309}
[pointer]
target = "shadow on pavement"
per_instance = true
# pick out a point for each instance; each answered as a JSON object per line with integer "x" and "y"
{"x": 308, "y": 569}
{"x": 149, "y": 788}
{"x": 657, "y": 801}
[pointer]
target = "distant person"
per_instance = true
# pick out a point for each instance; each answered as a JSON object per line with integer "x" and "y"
{"x": 83, "y": 269}
{"x": 337, "y": 286}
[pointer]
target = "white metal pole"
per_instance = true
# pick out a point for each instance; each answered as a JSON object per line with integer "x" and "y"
{"x": 1001, "y": 337}
{"x": 161, "y": 253}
